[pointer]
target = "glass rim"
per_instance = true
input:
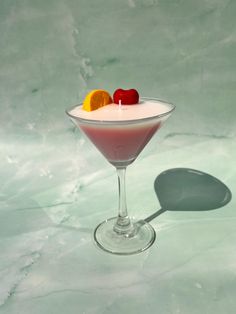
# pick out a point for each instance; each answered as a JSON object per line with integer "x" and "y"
{"x": 122, "y": 122}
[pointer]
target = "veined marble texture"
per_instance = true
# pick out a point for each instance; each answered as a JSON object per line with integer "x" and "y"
{"x": 56, "y": 187}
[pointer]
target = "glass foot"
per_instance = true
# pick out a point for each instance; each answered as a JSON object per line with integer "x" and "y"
{"x": 138, "y": 240}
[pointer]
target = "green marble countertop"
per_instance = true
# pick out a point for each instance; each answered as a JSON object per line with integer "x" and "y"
{"x": 56, "y": 187}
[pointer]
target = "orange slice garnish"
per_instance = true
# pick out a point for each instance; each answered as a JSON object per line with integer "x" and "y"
{"x": 97, "y": 98}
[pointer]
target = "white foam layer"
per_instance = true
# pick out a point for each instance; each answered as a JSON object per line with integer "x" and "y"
{"x": 113, "y": 112}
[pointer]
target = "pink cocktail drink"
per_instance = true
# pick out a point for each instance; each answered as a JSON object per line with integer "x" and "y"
{"x": 121, "y": 143}
{"x": 121, "y": 132}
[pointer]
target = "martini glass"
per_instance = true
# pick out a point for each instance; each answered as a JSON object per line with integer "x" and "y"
{"x": 121, "y": 141}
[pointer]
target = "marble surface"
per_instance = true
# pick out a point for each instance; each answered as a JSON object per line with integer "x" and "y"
{"x": 55, "y": 187}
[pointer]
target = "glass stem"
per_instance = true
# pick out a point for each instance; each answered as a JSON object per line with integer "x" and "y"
{"x": 123, "y": 224}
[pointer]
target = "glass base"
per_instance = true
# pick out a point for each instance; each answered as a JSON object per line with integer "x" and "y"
{"x": 141, "y": 237}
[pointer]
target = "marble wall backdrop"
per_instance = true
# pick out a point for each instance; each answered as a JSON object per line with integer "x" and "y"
{"x": 52, "y": 52}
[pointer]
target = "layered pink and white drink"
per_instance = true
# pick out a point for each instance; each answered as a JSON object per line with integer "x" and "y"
{"x": 120, "y": 132}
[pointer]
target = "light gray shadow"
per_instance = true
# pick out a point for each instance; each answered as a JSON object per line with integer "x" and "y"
{"x": 183, "y": 189}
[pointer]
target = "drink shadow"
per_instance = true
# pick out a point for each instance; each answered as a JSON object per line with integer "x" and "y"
{"x": 183, "y": 189}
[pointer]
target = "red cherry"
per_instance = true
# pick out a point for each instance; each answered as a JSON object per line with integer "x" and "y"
{"x": 126, "y": 96}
